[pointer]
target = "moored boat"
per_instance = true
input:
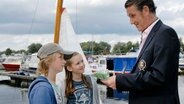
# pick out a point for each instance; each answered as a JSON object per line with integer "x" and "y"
{"x": 12, "y": 63}
{"x": 181, "y": 62}
{"x": 30, "y": 64}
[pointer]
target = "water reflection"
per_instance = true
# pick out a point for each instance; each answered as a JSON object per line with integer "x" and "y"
{"x": 12, "y": 95}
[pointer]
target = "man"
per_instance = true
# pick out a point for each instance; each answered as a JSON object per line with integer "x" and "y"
{"x": 154, "y": 78}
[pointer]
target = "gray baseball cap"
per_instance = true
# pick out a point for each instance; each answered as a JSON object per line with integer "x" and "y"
{"x": 51, "y": 48}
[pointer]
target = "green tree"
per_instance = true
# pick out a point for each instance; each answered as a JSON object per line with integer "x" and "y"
{"x": 93, "y": 48}
{"x": 123, "y": 48}
{"x": 104, "y": 48}
{"x": 89, "y": 47}
{"x": 136, "y": 45}
{"x": 34, "y": 47}
{"x": 119, "y": 48}
{"x": 86, "y": 47}
{"x": 129, "y": 46}
{"x": 8, "y": 52}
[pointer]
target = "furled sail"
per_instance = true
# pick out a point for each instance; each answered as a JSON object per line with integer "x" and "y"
{"x": 68, "y": 40}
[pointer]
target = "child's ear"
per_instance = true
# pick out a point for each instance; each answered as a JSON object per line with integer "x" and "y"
{"x": 69, "y": 68}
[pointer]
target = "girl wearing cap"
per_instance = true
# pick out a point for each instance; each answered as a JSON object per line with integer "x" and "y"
{"x": 80, "y": 88}
{"x": 43, "y": 90}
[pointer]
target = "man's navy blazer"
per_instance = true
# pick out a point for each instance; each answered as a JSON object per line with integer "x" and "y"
{"x": 154, "y": 78}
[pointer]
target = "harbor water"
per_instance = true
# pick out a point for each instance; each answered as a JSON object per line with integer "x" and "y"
{"x": 15, "y": 95}
{"x": 12, "y": 95}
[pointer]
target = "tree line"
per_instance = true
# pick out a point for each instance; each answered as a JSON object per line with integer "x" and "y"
{"x": 32, "y": 48}
{"x": 90, "y": 48}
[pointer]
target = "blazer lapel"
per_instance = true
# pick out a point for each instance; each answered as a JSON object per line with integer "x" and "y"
{"x": 148, "y": 40}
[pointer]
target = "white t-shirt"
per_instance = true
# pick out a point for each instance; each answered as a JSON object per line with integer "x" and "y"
{"x": 57, "y": 93}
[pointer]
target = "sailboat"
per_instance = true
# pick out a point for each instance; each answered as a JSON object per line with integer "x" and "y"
{"x": 65, "y": 36}
{"x": 68, "y": 38}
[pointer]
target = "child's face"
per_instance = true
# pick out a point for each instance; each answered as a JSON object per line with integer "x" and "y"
{"x": 77, "y": 65}
{"x": 58, "y": 63}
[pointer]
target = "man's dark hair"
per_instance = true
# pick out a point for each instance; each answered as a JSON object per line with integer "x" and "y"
{"x": 141, "y": 3}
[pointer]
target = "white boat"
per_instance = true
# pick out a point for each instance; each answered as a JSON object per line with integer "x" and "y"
{"x": 30, "y": 65}
{"x": 13, "y": 63}
{"x": 116, "y": 63}
{"x": 181, "y": 62}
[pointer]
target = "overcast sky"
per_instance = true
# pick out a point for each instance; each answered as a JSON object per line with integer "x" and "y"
{"x": 23, "y": 22}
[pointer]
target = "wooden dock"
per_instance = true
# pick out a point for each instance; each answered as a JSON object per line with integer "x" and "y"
{"x": 14, "y": 74}
{"x": 19, "y": 79}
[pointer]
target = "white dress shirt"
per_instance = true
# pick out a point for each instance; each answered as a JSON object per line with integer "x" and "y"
{"x": 145, "y": 34}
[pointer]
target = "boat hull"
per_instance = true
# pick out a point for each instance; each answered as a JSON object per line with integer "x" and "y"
{"x": 11, "y": 67}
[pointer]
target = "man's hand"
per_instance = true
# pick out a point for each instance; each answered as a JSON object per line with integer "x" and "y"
{"x": 110, "y": 82}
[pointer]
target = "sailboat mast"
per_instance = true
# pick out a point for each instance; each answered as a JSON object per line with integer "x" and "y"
{"x": 59, "y": 11}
